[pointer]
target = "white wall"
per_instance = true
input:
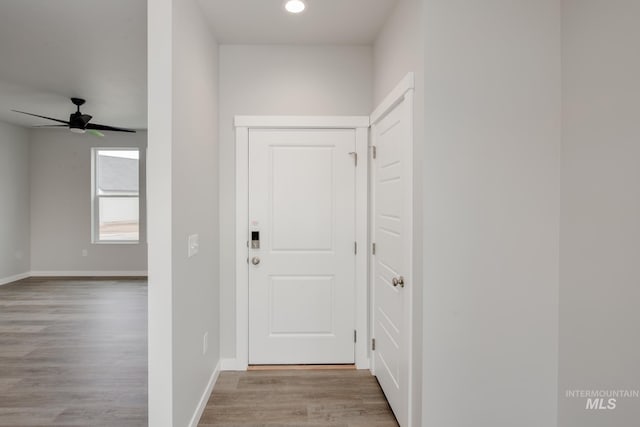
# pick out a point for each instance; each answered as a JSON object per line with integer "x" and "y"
{"x": 15, "y": 240}
{"x": 60, "y": 176}
{"x": 159, "y": 193}
{"x": 195, "y": 167}
{"x": 278, "y": 80}
{"x": 491, "y": 212}
{"x": 183, "y": 200}
{"x": 600, "y": 233}
{"x": 398, "y": 50}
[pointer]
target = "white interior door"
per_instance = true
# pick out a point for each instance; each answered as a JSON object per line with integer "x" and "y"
{"x": 392, "y": 230}
{"x": 302, "y": 217}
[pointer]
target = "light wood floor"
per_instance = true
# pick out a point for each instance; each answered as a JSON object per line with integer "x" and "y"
{"x": 332, "y": 398}
{"x": 73, "y": 353}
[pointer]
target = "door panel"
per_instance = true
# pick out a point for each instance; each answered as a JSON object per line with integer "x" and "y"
{"x": 302, "y": 291}
{"x": 302, "y": 203}
{"x": 312, "y": 312}
{"x": 392, "y": 234}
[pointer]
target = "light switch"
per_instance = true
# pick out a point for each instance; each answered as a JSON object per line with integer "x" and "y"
{"x": 193, "y": 245}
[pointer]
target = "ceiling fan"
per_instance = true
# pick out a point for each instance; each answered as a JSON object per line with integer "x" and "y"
{"x": 78, "y": 122}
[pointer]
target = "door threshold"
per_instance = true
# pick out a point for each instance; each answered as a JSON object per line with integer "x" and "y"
{"x": 350, "y": 367}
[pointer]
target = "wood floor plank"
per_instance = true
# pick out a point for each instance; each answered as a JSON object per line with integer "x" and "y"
{"x": 300, "y": 398}
{"x": 15, "y": 416}
{"x": 349, "y": 412}
{"x": 21, "y": 329}
{"x": 260, "y": 413}
{"x": 73, "y": 352}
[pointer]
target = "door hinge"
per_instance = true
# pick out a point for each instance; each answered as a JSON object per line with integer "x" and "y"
{"x": 355, "y": 248}
{"x": 373, "y": 344}
{"x": 374, "y": 151}
{"x": 355, "y": 157}
{"x": 355, "y": 336}
{"x": 373, "y": 248}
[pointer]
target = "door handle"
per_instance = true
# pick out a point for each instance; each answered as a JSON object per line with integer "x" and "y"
{"x": 255, "y": 260}
{"x": 398, "y": 281}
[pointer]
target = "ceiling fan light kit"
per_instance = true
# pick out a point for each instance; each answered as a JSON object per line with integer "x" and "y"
{"x": 78, "y": 122}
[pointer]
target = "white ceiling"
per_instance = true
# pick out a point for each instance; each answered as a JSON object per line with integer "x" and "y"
{"x": 96, "y": 49}
{"x": 323, "y": 22}
{"x": 92, "y": 49}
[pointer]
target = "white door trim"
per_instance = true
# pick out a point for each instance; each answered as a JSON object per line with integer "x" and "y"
{"x": 243, "y": 123}
{"x": 403, "y": 91}
{"x": 309, "y": 122}
{"x": 393, "y": 98}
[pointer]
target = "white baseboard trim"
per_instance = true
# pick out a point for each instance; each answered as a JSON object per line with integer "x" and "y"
{"x": 364, "y": 364}
{"x": 88, "y": 274}
{"x": 11, "y": 279}
{"x": 205, "y": 397}
{"x": 231, "y": 365}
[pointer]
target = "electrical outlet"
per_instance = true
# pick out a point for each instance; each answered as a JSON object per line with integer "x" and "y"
{"x": 85, "y": 252}
{"x": 193, "y": 245}
{"x": 205, "y": 343}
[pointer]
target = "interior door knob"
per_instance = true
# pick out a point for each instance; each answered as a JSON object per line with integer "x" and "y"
{"x": 255, "y": 260}
{"x": 398, "y": 281}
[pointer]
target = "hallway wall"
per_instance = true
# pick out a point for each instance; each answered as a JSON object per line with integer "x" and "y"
{"x": 491, "y": 212}
{"x": 15, "y": 229}
{"x": 183, "y": 200}
{"x": 600, "y": 235}
{"x": 278, "y": 80}
{"x": 195, "y": 205}
{"x": 398, "y": 50}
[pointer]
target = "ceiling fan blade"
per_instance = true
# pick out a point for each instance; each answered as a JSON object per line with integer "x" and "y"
{"x": 51, "y": 126}
{"x": 96, "y": 126}
{"x": 43, "y": 117}
{"x": 95, "y": 132}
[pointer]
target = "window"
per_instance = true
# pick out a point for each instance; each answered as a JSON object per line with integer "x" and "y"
{"x": 116, "y": 195}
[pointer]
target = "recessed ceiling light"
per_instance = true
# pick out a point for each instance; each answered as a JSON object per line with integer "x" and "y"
{"x": 295, "y": 6}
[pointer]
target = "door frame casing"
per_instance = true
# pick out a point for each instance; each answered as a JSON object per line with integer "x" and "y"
{"x": 360, "y": 124}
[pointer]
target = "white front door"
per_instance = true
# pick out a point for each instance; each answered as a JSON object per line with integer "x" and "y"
{"x": 302, "y": 217}
{"x": 392, "y": 230}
